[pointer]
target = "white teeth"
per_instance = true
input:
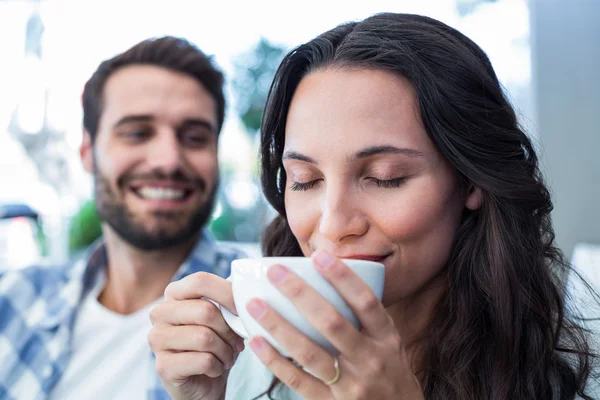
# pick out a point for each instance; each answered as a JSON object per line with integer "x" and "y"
{"x": 154, "y": 193}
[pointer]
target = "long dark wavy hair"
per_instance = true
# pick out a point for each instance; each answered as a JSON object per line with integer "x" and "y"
{"x": 502, "y": 330}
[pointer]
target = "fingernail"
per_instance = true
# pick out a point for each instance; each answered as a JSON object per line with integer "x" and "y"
{"x": 324, "y": 259}
{"x": 257, "y": 344}
{"x": 277, "y": 274}
{"x": 256, "y": 309}
{"x": 239, "y": 345}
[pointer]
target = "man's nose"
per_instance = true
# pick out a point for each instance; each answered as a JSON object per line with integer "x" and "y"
{"x": 165, "y": 151}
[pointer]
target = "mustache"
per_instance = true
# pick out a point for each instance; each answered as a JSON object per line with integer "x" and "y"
{"x": 177, "y": 176}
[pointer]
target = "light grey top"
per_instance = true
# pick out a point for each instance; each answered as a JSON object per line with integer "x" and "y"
{"x": 249, "y": 378}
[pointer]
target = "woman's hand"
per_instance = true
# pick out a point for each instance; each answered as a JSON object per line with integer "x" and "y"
{"x": 193, "y": 345}
{"x": 372, "y": 363}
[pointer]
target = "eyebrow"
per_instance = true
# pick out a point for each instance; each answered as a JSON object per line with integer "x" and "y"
{"x": 364, "y": 153}
{"x": 148, "y": 118}
{"x": 293, "y": 155}
{"x": 200, "y": 123}
{"x": 133, "y": 118}
{"x": 386, "y": 149}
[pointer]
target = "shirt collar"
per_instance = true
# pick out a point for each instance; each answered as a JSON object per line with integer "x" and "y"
{"x": 204, "y": 257}
{"x": 76, "y": 279}
{"x": 81, "y": 275}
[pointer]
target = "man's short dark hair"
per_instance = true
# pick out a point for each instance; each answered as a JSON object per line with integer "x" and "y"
{"x": 168, "y": 52}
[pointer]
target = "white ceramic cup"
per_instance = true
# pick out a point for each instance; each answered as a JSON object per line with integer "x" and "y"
{"x": 249, "y": 280}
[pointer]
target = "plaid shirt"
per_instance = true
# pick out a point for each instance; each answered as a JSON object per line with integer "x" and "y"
{"x": 38, "y": 306}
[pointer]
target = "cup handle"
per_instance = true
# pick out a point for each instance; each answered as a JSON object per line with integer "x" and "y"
{"x": 234, "y": 321}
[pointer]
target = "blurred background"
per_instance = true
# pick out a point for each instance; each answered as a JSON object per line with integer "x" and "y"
{"x": 545, "y": 52}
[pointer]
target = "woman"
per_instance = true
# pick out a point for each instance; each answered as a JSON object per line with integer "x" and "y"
{"x": 390, "y": 139}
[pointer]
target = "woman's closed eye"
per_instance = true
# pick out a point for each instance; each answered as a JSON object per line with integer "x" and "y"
{"x": 387, "y": 183}
{"x": 302, "y": 186}
{"x": 382, "y": 183}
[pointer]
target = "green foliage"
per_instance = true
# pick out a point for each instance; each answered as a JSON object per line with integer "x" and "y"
{"x": 237, "y": 224}
{"x": 254, "y": 71}
{"x": 42, "y": 239}
{"x": 85, "y": 227}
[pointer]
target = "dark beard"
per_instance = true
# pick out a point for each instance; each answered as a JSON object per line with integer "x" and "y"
{"x": 115, "y": 213}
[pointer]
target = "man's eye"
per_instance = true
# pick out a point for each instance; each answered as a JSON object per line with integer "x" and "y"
{"x": 195, "y": 139}
{"x": 137, "y": 134}
{"x": 298, "y": 186}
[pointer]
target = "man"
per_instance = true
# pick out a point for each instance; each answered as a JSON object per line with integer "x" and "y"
{"x": 152, "y": 116}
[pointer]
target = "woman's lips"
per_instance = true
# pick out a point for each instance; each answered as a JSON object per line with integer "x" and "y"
{"x": 367, "y": 257}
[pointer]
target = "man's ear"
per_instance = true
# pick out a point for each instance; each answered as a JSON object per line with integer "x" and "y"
{"x": 86, "y": 152}
{"x": 474, "y": 198}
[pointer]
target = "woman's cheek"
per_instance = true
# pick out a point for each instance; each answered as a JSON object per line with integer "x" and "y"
{"x": 302, "y": 217}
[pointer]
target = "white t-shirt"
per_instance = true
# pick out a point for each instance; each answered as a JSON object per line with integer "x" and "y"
{"x": 110, "y": 357}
